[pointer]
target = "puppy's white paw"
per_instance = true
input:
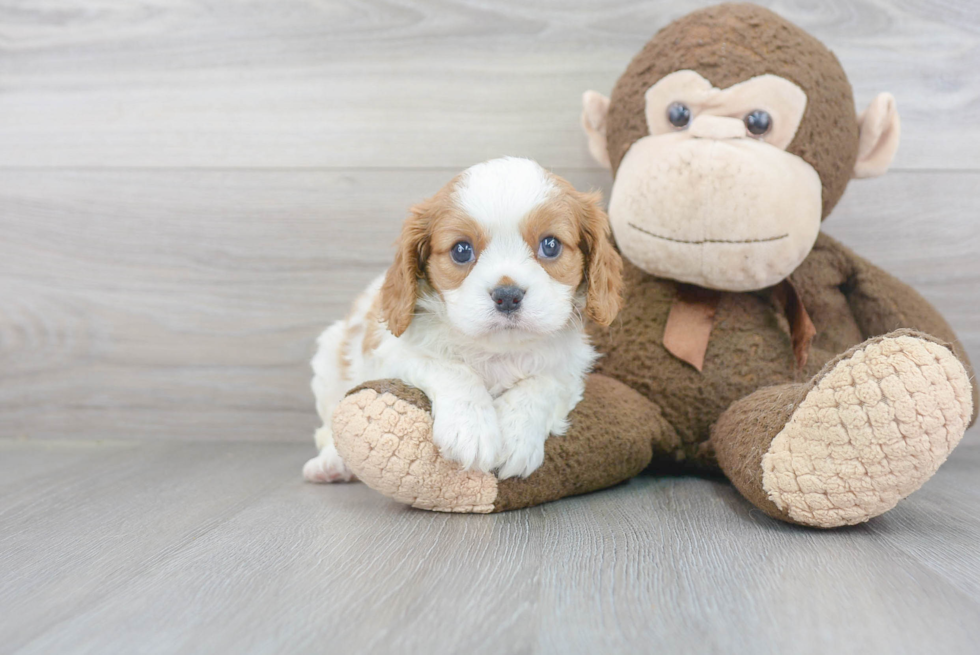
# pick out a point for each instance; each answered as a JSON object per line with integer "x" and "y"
{"x": 327, "y": 467}
{"x": 523, "y": 459}
{"x": 523, "y": 434}
{"x": 466, "y": 432}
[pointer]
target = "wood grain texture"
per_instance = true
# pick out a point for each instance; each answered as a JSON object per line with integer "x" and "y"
{"x": 948, "y": 507}
{"x": 221, "y": 548}
{"x": 184, "y": 304}
{"x": 90, "y": 515}
{"x": 372, "y": 83}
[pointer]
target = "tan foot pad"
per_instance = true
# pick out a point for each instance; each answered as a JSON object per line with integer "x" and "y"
{"x": 386, "y": 441}
{"x": 871, "y": 431}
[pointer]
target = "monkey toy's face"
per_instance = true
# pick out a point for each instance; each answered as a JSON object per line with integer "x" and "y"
{"x": 724, "y": 182}
{"x": 711, "y": 196}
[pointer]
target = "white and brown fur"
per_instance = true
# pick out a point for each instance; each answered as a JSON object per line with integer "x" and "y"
{"x": 500, "y": 384}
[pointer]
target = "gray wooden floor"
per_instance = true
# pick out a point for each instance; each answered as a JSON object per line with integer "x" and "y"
{"x": 191, "y": 190}
{"x": 168, "y": 546}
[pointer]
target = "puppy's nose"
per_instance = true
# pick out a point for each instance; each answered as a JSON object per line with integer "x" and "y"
{"x": 507, "y": 298}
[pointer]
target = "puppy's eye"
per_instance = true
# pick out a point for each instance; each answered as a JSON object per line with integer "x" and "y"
{"x": 462, "y": 252}
{"x": 679, "y": 114}
{"x": 549, "y": 248}
{"x": 758, "y": 122}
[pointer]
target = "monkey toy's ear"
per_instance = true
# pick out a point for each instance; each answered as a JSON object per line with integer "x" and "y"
{"x": 595, "y": 106}
{"x": 880, "y": 131}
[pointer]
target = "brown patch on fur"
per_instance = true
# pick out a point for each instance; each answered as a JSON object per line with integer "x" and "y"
{"x": 506, "y": 281}
{"x": 444, "y": 274}
{"x": 732, "y": 43}
{"x": 401, "y": 286}
{"x": 373, "y": 330}
{"x": 343, "y": 363}
{"x": 578, "y": 221}
{"x": 351, "y": 330}
{"x": 450, "y": 226}
{"x": 432, "y": 228}
{"x": 603, "y": 265}
{"x": 557, "y": 219}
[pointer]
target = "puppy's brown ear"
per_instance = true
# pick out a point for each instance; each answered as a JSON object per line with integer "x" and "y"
{"x": 401, "y": 286}
{"x": 603, "y": 265}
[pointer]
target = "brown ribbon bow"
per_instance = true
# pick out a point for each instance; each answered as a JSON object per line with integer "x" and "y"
{"x": 692, "y": 316}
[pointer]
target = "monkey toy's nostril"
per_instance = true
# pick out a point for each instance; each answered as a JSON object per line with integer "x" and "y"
{"x": 507, "y": 299}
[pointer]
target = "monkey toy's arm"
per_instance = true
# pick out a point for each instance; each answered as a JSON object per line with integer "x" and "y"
{"x": 881, "y": 303}
{"x": 383, "y": 431}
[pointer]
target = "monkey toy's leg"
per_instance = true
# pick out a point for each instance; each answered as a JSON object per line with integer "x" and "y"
{"x": 865, "y": 432}
{"x": 383, "y": 431}
{"x": 882, "y": 303}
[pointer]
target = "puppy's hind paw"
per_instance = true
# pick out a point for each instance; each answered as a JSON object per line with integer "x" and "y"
{"x": 327, "y": 467}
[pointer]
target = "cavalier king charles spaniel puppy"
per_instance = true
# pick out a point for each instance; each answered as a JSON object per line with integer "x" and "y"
{"x": 483, "y": 311}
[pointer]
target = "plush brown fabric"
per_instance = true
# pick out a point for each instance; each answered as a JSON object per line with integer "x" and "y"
{"x": 881, "y": 303}
{"x": 751, "y": 344}
{"x": 399, "y": 389}
{"x": 614, "y": 434}
{"x": 731, "y": 43}
{"x": 871, "y": 302}
{"x": 750, "y": 347}
{"x": 742, "y": 436}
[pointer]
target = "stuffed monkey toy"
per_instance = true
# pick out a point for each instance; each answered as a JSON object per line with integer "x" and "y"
{"x": 749, "y": 342}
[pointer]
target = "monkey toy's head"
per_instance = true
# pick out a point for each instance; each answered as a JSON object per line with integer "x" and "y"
{"x": 731, "y": 136}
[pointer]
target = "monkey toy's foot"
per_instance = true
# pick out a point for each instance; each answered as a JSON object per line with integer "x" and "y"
{"x": 870, "y": 429}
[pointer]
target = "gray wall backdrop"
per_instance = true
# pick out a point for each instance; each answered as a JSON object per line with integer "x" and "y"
{"x": 190, "y": 191}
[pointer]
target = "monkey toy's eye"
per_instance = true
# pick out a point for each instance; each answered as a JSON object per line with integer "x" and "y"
{"x": 549, "y": 248}
{"x": 678, "y": 114}
{"x": 758, "y": 122}
{"x": 462, "y": 252}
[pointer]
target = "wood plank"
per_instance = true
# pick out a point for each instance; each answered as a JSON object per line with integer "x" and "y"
{"x": 671, "y": 564}
{"x": 366, "y": 83}
{"x": 184, "y": 304}
{"x": 24, "y": 462}
{"x": 946, "y": 506}
{"x": 698, "y": 575}
{"x": 94, "y": 515}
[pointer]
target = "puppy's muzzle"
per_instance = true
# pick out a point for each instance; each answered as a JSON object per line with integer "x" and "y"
{"x": 507, "y": 299}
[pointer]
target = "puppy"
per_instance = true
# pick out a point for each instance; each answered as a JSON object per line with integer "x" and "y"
{"x": 482, "y": 310}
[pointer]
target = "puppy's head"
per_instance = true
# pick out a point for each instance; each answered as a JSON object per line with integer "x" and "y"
{"x": 507, "y": 247}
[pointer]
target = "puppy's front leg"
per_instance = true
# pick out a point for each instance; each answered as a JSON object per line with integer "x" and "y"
{"x": 465, "y": 427}
{"x": 529, "y": 413}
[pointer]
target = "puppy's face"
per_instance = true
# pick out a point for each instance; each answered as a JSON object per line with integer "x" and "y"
{"x": 506, "y": 247}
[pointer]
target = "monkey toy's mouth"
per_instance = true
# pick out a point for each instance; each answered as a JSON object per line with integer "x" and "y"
{"x": 700, "y": 242}
{"x": 734, "y": 215}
